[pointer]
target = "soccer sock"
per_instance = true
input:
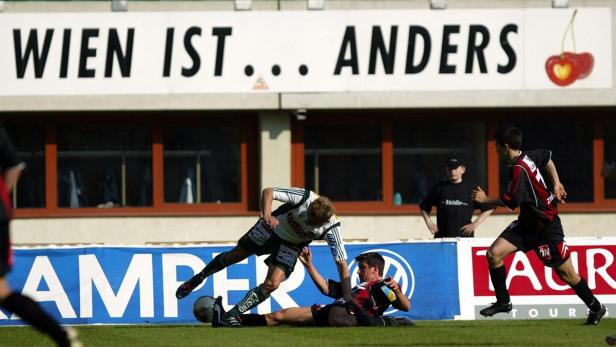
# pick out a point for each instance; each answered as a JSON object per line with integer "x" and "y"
{"x": 499, "y": 281}
{"x": 582, "y": 290}
{"x": 253, "y": 298}
{"x": 253, "y": 320}
{"x": 217, "y": 264}
{"x": 32, "y": 313}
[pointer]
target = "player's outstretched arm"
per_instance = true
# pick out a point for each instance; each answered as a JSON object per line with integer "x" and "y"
{"x": 305, "y": 257}
{"x": 345, "y": 280}
{"x": 559, "y": 190}
{"x": 479, "y": 196}
{"x": 11, "y": 176}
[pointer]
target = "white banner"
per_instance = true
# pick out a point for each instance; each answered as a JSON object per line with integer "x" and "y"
{"x": 304, "y": 51}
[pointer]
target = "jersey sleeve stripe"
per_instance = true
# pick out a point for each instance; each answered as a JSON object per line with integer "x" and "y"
{"x": 299, "y": 192}
{"x": 331, "y": 227}
{"x": 532, "y": 188}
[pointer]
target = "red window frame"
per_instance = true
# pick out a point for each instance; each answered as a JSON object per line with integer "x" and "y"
{"x": 248, "y": 204}
{"x": 386, "y": 118}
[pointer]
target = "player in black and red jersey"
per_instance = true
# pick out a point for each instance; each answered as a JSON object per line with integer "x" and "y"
{"x": 538, "y": 226}
{"x": 26, "y": 308}
{"x": 372, "y": 297}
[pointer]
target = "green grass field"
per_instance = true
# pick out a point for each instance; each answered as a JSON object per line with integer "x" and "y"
{"x": 435, "y": 333}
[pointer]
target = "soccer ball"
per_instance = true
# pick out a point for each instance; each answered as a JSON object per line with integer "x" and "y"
{"x": 203, "y": 309}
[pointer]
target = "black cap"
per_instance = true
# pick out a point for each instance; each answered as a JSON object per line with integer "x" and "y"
{"x": 454, "y": 162}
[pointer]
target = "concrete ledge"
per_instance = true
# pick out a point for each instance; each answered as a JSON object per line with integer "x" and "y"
{"x": 162, "y": 230}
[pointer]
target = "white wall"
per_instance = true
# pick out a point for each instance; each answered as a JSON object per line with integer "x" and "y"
{"x": 275, "y": 149}
{"x": 154, "y": 230}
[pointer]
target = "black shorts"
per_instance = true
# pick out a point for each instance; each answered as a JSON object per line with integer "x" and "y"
{"x": 6, "y": 253}
{"x": 260, "y": 239}
{"x": 320, "y": 313}
{"x": 548, "y": 243}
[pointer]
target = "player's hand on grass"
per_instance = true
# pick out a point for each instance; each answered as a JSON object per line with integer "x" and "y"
{"x": 560, "y": 193}
{"x": 270, "y": 221}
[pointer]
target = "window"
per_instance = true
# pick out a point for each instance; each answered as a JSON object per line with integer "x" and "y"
{"x": 104, "y": 165}
{"x": 421, "y": 149}
{"x": 343, "y": 162}
{"x": 609, "y": 136}
{"x": 29, "y": 141}
{"x": 135, "y": 163}
{"x": 571, "y": 143}
{"x": 202, "y": 164}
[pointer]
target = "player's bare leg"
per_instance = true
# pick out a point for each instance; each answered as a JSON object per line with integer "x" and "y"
{"x": 31, "y": 312}
{"x": 292, "y": 316}
{"x": 220, "y": 262}
{"x": 495, "y": 255}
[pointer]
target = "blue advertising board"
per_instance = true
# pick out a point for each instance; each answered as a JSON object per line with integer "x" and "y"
{"x": 136, "y": 285}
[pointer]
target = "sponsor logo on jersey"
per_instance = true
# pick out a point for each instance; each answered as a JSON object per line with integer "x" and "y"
{"x": 259, "y": 234}
{"x": 287, "y": 255}
{"x": 396, "y": 267}
{"x": 544, "y": 252}
{"x": 455, "y": 203}
{"x": 297, "y": 227}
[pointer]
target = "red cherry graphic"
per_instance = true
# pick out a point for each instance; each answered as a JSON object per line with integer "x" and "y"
{"x": 587, "y": 61}
{"x": 563, "y": 69}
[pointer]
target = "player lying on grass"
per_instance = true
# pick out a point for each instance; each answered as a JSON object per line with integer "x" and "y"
{"x": 372, "y": 297}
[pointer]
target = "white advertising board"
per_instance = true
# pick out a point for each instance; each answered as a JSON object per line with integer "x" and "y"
{"x": 304, "y": 51}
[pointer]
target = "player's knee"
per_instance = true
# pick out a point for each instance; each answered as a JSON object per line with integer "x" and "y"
{"x": 493, "y": 258}
{"x": 269, "y": 286}
{"x": 236, "y": 255}
{"x": 569, "y": 277}
{"x": 275, "y": 317}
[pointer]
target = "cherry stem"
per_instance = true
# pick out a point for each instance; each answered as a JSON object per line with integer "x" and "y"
{"x": 569, "y": 26}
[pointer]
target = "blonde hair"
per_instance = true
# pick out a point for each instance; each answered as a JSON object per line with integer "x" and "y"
{"x": 321, "y": 210}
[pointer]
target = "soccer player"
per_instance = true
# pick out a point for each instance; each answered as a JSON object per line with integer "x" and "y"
{"x": 23, "y": 306}
{"x": 305, "y": 216}
{"x": 538, "y": 226}
{"x": 454, "y": 208}
{"x": 372, "y": 297}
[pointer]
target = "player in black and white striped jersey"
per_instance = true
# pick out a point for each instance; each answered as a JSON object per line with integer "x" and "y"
{"x": 304, "y": 216}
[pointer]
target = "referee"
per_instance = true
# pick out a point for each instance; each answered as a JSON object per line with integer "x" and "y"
{"x": 454, "y": 208}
